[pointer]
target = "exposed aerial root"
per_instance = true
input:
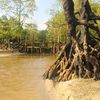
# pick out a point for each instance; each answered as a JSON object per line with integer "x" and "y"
{"x": 74, "y": 66}
{"x": 81, "y": 57}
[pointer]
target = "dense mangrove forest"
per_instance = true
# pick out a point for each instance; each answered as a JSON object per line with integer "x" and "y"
{"x": 16, "y": 33}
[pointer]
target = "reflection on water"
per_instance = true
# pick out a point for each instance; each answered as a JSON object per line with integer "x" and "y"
{"x": 21, "y": 77}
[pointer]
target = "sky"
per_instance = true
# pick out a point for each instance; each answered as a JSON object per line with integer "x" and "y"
{"x": 42, "y": 13}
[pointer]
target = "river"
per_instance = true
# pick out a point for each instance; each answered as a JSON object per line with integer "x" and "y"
{"x": 21, "y": 77}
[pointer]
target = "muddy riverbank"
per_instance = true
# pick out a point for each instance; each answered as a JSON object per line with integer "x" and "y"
{"x": 77, "y": 89}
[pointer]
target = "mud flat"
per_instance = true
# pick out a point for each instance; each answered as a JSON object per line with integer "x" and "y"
{"x": 4, "y": 53}
{"x": 77, "y": 89}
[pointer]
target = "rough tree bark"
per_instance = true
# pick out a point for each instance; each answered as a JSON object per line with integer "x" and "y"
{"x": 80, "y": 57}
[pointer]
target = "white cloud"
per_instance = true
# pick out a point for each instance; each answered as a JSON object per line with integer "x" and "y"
{"x": 41, "y": 26}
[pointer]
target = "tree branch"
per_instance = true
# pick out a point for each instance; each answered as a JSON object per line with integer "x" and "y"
{"x": 92, "y": 26}
{"x": 94, "y": 17}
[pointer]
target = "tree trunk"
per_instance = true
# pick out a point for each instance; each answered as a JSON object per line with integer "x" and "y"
{"x": 79, "y": 57}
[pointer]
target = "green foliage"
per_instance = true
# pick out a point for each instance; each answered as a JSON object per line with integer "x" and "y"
{"x": 18, "y": 8}
{"x": 32, "y": 33}
{"x": 11, "y": 29}
{"x": 57, "y": 27}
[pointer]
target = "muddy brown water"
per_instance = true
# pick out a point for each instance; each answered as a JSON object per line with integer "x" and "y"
{"x": 21, "y": 77}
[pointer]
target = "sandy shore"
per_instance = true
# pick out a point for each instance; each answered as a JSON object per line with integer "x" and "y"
{"x": 4, "y": 53}
{"x": 9, "y": 54}
{"x": 77, "y": 89}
